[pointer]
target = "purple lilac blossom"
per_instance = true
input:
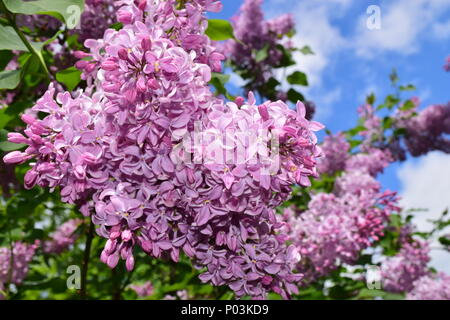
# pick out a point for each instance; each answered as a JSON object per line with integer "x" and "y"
{"x": 335, "y": 150}
{"x": 22, "y": 254}
{"x": 143, "y": 290}
{"x": 115, "y": 150}
{"x": 431, "y": 287}
{"x": 400, "y": 271}
{"x": 255, "y": 34}
{"x": 62, "y": 238}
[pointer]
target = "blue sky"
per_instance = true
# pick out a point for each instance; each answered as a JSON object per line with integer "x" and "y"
{"x": 351, "y": 61}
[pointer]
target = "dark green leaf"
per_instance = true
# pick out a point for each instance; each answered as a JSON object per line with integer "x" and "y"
{"x": 387, "y": 122}
{"x": 444, "y": 241}
{"x": 371, "y": 99}
{"x": 5, "y": 58}
{"x": 295, "y": 96}
{"x": 298, "y": 78}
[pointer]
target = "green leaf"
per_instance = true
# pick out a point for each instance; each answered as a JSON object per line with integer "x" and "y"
{"x": 5, "y": 117}
{"x": 298, "y": 78}
{"x": 408, "y": 105}
{"x": 295, "y": 96}
{"x": 306, "y": 50}
{"x": 393, "y": 76}
{"x": 116, "y": 26}
{"x": 391, "y": 101}
{"x": 5, "y": 58}
{"x": 218, "y": 80}
{"x": 400, "y": 132}
{"x": 223, "y": 78}
{"x": 219, "y": 30}
{"x": 68, "y": 11}
{"x": 408, "y": 87}
{"x": 70, "y": 77}
{"x": 9, "y": 40}
{"x": 387, "y": 122}
{"x": 9, "y": 79}
{"x": 262, "y": 54}
{"x": 370, "y": 99}
{"x": 444, "y": 241}
{"x": 7, "y": 146}
{"x": 286, "y": 58}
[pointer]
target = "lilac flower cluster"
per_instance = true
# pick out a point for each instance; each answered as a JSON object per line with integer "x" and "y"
{"x": 447, "y": 64}
{"x": 336, "y": 157}
{"x": 14, "y": 267}
{"x": 431, "y": 287}
{"x": 427, "y": 130}
{"x": 400, "y": 271}
{"x": 337, "y": 226}
{"x": 126, "y": 151}
{"x": 256, "y": 34}
{"x": 373, "y": 162}
{"x": 143, "y": 290}
{"x": 335, "y": 150}
{"x": 62, "y": 238}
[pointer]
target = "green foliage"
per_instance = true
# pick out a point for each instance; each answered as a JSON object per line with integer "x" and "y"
{"x": 298, "y": 78}
{"x": 262, "y": 54}
{"x": 306, "y": 50}
{"x": 70, "y": 77}
{"x": 67, "y": 11}
{"x": 9, "y": 79}
{"x": 219, "y": 30}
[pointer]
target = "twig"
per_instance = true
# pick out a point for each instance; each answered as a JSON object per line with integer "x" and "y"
{"x": 85, "y": 266}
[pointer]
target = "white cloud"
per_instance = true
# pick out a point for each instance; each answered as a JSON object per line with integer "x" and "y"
{"x": 314, "y": 28}
{"x": 402, "y": 23}
{"x": 442, "y": 30}
{"x": 426, "y": 184}
{"x": 325, "y": 103}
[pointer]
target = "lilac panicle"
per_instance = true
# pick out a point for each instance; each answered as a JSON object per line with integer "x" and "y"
{"x": 124, "y": 151}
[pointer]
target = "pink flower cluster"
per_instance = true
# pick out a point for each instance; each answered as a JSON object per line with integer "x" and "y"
{"x": 447, "y": 64}
{"x": 126, "y": 151}
{"x": 336, "y": 157}
{"x": 335, "y": 150}
{"x": 400, "y": 271}
{"x": 431, "y": 287}
{"x": 428, "y": 130}
{"x": 14, "y": 267}
{"x": 62, "y": 238}
{"x": 255, "y": 34}
{"x": 337, "y": 226}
